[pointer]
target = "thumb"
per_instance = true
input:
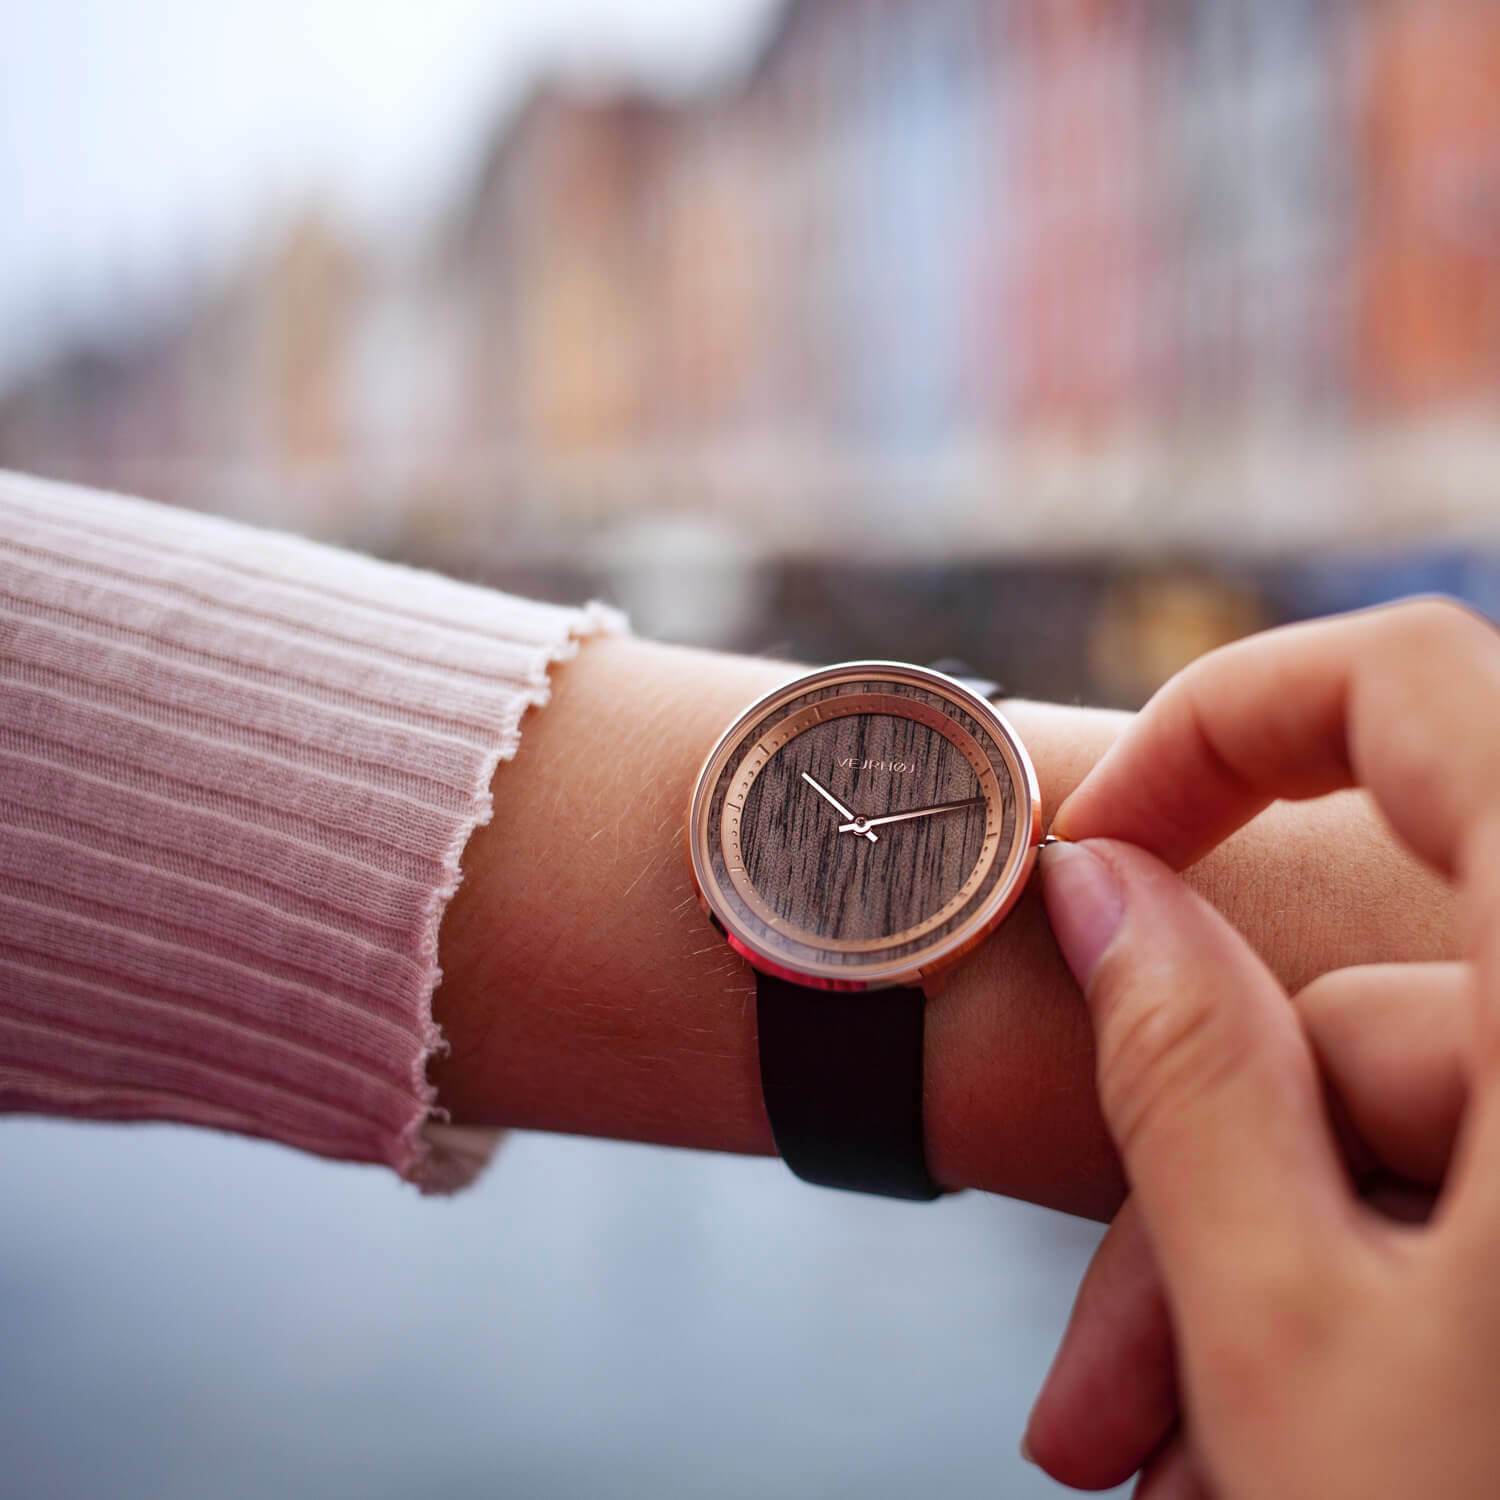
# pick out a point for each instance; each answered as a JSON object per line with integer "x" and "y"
{"x": 1205, "y": 1079}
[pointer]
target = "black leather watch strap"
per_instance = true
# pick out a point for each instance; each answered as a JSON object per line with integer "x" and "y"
{"x": 842, "y": 1077}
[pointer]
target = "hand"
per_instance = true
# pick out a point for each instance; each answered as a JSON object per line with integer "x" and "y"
{"x": 1389, "y": 1040}
{"x": 859, "y": 825}
{"x": 1321, "y": 1347}
{"x": 843, "y": 811}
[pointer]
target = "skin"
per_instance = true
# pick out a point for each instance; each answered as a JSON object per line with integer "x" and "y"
{"x": 1268, "y": 1317}
{"x": 586, "y": 992}
{"x": 1389, "y": 1041}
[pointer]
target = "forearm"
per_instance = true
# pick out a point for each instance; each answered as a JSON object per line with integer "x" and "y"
{"x": 586, "y": 992}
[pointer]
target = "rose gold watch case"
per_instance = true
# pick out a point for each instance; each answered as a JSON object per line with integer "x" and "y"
{"x": 913, "y": 968}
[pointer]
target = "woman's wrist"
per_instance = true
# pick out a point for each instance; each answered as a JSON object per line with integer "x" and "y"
{"x": 585, "y": 991}
{"x": 1011, "y": 1101}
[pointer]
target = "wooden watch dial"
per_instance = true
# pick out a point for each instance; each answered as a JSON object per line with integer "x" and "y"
{"x": 863, "y": 825}
{"x": 876, "y": 761}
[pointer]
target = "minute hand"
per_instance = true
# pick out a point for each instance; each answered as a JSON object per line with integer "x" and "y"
{"x": 860, "y": 824}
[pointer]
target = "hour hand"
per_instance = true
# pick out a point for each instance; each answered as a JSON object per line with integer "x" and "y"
{"x": 862, "y": 825}
{"x": 839, "y": 808}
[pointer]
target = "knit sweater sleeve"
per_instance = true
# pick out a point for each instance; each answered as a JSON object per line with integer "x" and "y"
{"x": 237, "y": 774}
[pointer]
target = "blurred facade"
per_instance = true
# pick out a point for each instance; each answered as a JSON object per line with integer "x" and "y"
{"x": 925, "y": 278}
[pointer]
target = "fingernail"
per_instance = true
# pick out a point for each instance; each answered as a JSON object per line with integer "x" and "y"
{"x": 1026, "y": 1452}
{"x": 1084, "y": 904}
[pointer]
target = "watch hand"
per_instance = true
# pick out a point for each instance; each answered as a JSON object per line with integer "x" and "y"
{"x": 838, "y": 807}
{"x": 860, "y": 825}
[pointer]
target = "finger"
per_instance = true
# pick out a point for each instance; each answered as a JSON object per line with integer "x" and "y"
{"x": 1391, "y": 1040}
{"x": 1111, "y": 1394}
{"x": 1205, "y": 1078}
{"x": 1403, "y": 700}
{"x": 1171, "y": 1475}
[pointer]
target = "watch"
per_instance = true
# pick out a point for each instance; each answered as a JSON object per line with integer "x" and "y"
{"x": 851, "y": 833}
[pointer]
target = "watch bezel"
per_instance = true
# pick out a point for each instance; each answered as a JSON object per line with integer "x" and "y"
{"x": 910, "y": 969}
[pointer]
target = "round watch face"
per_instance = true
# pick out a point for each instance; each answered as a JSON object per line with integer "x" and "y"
{"x": 863, "y": 825}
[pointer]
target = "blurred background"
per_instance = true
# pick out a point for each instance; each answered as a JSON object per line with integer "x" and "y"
{"x": 1067, "y": 337}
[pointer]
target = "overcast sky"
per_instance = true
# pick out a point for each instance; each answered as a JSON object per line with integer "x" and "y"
{"x": 142, "y": 140}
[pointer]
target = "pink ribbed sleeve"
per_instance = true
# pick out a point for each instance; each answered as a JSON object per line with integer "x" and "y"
{"x": 237, "y": 774}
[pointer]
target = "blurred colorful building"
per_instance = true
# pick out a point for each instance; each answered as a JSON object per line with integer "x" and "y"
{"x": 1429, "y": 226}
{"x": 982, "y": 275}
